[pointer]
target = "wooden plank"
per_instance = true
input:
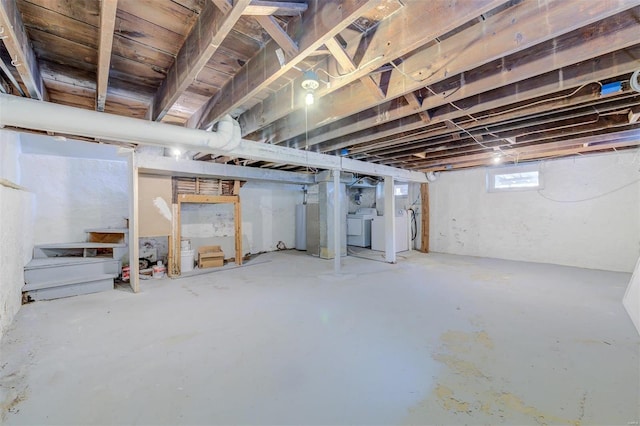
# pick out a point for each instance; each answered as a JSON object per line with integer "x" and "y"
{"x": 166, "y": 14}
{"x": 238, "y": 231}
{"x": 278, "y": 35}
{"x": 400, "y": 34}
{"x": 16, "y": 41}
{"x": 424, "y": 222}
{"x": 344, "y": 60}
{"x": 416, "y": 104}
{"x": 225, "y": 6}
{"x": 108, "y": 10}
{"x": 468, "y": 49}
{"x": 324, "y": 22}
{"x": 207, "y": 35}
{"x": 574, "y": 145}
{"x": 275, "y": 8}
{"x": 203, "y": 199}
{"x": 37, "y": 16}
{"x": 530, "y": 78}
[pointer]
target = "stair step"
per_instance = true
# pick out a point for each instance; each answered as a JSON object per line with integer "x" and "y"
{"x": 80, "y": 245}
{"x": 62, "y": 268}
{"x": 108, "y": 235}
{"x": 108, "y": 230}
{"x": 68, "y": 281}
{"x": 95, "y": 285}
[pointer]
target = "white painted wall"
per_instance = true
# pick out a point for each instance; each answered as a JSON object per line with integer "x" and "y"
{"x": 268, "y": 216}
{"x": 16, "y": 226}
{"x": 587, "y": 215}
{"x": 74, "y": 194}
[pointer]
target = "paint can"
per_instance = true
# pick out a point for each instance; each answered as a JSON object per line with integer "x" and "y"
{"x": 185, "y": 245}
{"x": 159, "y": 270}
{"x": 125, "y": 273}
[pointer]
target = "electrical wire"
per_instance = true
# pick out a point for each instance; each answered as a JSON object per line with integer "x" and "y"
{"x": 414, "y": 225}
{"x": 589, "y": 198}
{"x": 528, "y": 105}
{"x": 339, "y": 76}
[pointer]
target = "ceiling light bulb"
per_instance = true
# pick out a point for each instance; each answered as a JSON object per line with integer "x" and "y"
{"x": 176, "y": 152}
{"x": 497, "y": 159}
{"x": 308, "y": 99}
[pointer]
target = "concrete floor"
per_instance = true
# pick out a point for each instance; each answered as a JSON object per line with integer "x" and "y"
{"x": 435, "y": 339}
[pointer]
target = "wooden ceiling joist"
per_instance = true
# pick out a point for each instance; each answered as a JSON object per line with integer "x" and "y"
{"x": 576, "y": 145}
{"x": 108, "y": 10}
{"x": 452, "y": 56}
{"x": 326, "y": 21}
{"x": 344, "y": 60}
{"x": 16, "y": 40}
{"x": 531, "y": 78}
{"x": 208, "y": 33}
{"x": 275, "y": 8}
{"x": 278, "y": 34}
{"x": 389, "y": 41}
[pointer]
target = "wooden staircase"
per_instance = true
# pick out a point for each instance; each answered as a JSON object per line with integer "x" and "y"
{"x": 70, "y": 269}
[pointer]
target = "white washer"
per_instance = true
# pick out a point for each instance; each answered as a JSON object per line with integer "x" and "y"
{"x": 359, "y": 227}
{"x": 402, "y": 232}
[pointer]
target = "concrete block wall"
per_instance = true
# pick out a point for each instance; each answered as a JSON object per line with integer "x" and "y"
{"x": 74, "y": 194}
{"x": 16, "y": 230}
{"x": 587, "y": 215}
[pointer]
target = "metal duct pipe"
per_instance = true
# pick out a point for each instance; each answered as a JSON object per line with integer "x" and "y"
{"x": 32, "y": 114}
{"x": 37, "y": 115}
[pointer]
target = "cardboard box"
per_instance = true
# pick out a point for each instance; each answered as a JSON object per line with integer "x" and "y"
{"x": 210, "y": 257}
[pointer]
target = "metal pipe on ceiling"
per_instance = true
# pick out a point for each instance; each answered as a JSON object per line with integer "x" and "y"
{"x": 32, "y": 114}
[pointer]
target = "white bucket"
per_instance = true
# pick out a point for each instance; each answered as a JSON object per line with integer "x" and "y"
{"x": 186, "y": 260}
{"x": 185, "y": 245}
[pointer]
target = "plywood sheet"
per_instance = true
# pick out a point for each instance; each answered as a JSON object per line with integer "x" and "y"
{"x": 154, "y": 205}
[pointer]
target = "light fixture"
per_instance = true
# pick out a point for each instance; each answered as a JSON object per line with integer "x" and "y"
{"x": 310, "y": 83}
{"x": 309, "y": 99}
{"x": 497, "y": 159}
{"x": 176, "y": 152}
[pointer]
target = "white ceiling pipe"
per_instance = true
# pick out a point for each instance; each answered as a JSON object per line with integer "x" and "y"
{"x": 49, "y": 117}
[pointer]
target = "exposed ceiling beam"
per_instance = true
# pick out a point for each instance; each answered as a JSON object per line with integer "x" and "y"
{"x": 208, "y": 33}
{"x": 480, "y": 44}
{"x": 326, "y": 20}
{"x": 264, "y": 8}
{"x": 275, "y": 8}
{"x": 344, "y": 60}
{"x": 278, "y": 34}
{"x": 225, "y": 6}
{"x": 7, "y": 72}
{"x": 156, "y": 164}
{"x": 416, "y": 104}
{"x": 400, "y": 34}
{"x": 578, "y": 145}
{"x": 108, "y": 10}
{"x": 16, "y": 41}
{"x": 519, "y": 74}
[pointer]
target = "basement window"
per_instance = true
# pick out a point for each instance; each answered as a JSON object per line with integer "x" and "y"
{"x": 401, "y": 189}
{"x": 514, "y": 178}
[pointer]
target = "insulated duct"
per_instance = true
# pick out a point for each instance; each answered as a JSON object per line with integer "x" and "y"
{"x": 31, "y": 114}
{"x": 44, "y": 116}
